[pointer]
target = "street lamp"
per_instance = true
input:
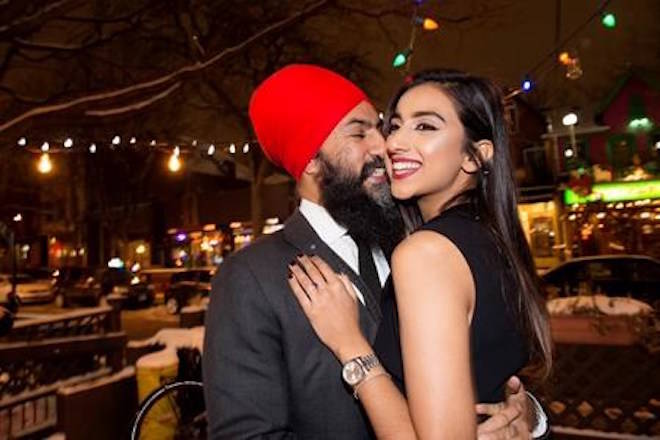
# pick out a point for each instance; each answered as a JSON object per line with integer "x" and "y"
{"x": 569, "y": 120}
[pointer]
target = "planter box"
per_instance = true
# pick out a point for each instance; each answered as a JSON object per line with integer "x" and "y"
{"x": 594, "y": 330}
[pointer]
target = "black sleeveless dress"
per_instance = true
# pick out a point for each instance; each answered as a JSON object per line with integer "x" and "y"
{"x": 498, "y": 349}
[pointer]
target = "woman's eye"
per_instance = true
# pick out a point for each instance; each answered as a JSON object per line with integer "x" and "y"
{"x": 358, "y": 135}
{"x": 422, "y": 126}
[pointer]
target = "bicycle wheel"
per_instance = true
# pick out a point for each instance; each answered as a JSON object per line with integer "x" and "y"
{"x": 174, "y": 411}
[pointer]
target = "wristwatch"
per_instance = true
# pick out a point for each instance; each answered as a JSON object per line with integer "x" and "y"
{"x": 357, "y": 369}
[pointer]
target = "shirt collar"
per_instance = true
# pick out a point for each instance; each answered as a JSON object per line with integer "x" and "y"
{"x": 321, "y": 221}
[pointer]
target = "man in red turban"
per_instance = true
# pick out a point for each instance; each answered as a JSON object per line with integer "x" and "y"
{"x": 266, "y": 374}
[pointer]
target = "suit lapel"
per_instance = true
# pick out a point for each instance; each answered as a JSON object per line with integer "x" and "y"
{"x": 299, "y": 233}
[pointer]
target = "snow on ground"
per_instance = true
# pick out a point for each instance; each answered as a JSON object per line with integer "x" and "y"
{"x": 612, "y": 306}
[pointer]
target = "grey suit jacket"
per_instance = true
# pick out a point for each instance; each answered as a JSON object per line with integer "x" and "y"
{"x": 266, "y": 373}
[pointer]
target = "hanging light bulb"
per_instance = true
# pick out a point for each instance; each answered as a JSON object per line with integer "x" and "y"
{"x": 174, "y": 163}
{"x": 565, "y": 58}
{"x": 44, "y": 165}
{"x": 401, "y": 58}
{"x": 609, "y": 20}
{"x": 132, "y": 141}
{"x": 211, "y": 150}
{"x": 232, "y": 148}
{"x": 45, "y": 147}
{"x": 22, "y": 141}
{"x": 92, "y": 148}
{"x": 527, "y": 84}
{"x": 153, "y": 142}
{"x": 116, "y": 140}
{"x": 68, "y": 143}
{"x": 246, "y": 148}
{"x": 194, "y": 143}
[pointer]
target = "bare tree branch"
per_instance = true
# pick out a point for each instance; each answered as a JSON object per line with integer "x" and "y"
{"x": 52, "y": 7}
{"x": 135, "y": 106}
{"x": 165, "y": 79}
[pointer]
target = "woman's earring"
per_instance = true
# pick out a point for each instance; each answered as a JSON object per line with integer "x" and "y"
{"x": 485, "y": 171}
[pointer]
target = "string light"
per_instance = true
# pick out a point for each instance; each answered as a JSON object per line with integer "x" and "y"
{"x": 401, "y": 58}
{"x": 44, "y": 165}
{"x": 153, "y": 142}
{"x": 68, "y": 143}
{"x": 194, "y": 143}
{"x": 92, "y": 148}
{"x": 246, "y": 148}
{"x": 132, "y": 141}
{"x": 45, "y": 147}
{"x": 116, "y": 140}
{"x": 22, "y": 141}
{"x": 174, "y": 163}
{"x": 428, "y": 24}
{"x": 211, "y": 150}
{"x": 18, "y": 217}
{"x": 232, "y": 149}
{"x": 527, "y": 84}
{"x": 565, "y": 58}
{"x": 609, "y": 20}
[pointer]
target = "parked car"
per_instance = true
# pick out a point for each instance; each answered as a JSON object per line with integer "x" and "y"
{"x": 87, "y": 288}
{"x": 75, "y": 285}
{"x": 28, "y": 289}
{"x": 186, "y": 286}
{"x": 136, "y": 290}
{"x": 635, "y": 276}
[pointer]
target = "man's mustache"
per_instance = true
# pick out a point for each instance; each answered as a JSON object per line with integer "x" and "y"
{"x": 370, "y": 167}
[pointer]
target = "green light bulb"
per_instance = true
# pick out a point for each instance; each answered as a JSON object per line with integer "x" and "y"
{"x": 609, "y": 20}
{"x": 400, "y": 59}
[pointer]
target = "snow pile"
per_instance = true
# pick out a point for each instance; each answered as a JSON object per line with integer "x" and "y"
{"x": 598, "y": 304}
{"x": 171, "y": 339}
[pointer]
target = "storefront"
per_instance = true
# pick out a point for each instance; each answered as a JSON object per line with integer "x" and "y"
{"x": 540, "y": 223}
{"x": 198, "y": 248}
{"x": 614, "y": 218}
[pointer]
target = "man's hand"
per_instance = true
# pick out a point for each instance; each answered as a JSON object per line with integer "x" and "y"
{"x": 509, "y": 419}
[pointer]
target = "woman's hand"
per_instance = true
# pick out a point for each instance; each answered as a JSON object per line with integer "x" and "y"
{"x": 330, "y": 303}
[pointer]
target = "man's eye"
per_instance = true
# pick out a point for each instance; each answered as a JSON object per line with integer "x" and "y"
{"x": 358, "y": 135}
{"x": 393, "y": 127}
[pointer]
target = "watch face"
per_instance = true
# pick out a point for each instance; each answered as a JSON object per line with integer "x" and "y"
{"x": 352, "y": 373}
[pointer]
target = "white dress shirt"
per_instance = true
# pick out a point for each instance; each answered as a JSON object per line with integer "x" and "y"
{"x": 337, "y": 239}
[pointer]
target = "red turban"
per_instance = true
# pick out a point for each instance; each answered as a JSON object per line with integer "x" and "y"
{"x": 294, "y": 111}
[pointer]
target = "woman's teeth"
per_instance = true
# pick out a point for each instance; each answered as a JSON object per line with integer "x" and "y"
{"x": 398, "y": 166}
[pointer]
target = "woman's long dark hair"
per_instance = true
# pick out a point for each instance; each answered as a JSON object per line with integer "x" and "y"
{"x": 480, "y": 107}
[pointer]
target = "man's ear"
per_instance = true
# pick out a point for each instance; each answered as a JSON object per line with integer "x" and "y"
{"x": 313, "y": 168}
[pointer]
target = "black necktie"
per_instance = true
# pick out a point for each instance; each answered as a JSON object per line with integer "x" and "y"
{"x": 367, "y": 268}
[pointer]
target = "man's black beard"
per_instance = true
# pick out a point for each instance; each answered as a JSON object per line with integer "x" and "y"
{"x": 371, "y": 218}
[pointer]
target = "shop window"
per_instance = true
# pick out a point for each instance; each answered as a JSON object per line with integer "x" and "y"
{"x": 542, "y": 236}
